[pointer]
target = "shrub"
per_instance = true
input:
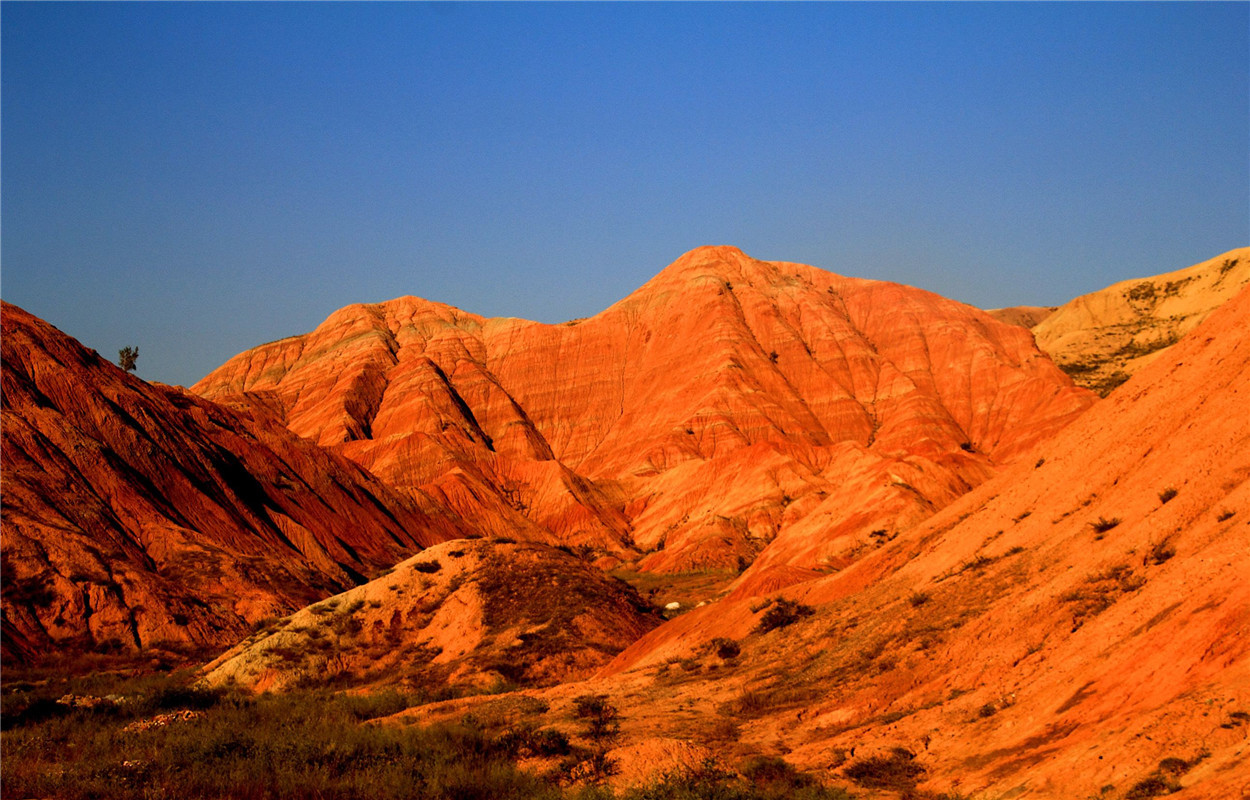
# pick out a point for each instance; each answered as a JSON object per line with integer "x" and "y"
{"x": 898, "y": 771}
{"x": 1161, "y": 551}
{"x": 726, "y": 649}
{"x": 769, "y": 769}
{"x": 527, "y": 742}
{"x": 781, "y": 613}
{"x": 602, "y": 726}
{"x": 1225, "y": 515}
{"x": 1167, "y": 494}
{"x": 917, "y": 599}
{"x": 1102, "y": 524}
{"x": 126, "y": 358}
{"x": 427, "y": 566}
{"x": 1152, "y": 786}
{"x": 1174, "y": 766}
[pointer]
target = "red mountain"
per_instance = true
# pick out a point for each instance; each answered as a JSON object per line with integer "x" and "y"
{"x": 724, "y": 403}
{"x": 136, "y": 514}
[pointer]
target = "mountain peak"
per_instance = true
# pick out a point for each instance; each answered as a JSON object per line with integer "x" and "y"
{"x": 620, "y": 432}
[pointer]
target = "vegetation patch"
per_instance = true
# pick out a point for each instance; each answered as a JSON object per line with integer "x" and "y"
{"x": 292, "y": 745}
{"x": 898, "y": 771}
{"x": 710, "y": 781}
{"x": 1135, "y": 349}
{"x": 1102, "y": 524}
{"x": 782, "y": 613}
{"x": 726, "y": 649}
{"x": 1161, "y": 551}
{"x": 1100, "y": 591}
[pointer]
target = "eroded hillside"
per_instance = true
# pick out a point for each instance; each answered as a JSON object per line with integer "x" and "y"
{"x": 1103, "y": 338}
{"x": 687, "y": 426}
{"x": 137, "y": 515}
{"x": 1070, "y": 625}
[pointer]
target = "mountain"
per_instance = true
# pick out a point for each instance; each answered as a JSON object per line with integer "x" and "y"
{"x": 1077, "y": 626}
{"x": 136, "y": 515}
{"x": 468, "y": 613}
{"x": 685, "y": 427}
{"x": 1102, "y": 338}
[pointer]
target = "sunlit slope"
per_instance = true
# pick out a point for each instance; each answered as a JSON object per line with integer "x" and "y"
{"x": 1069, "y": 625}
{"x": 1102, "y": 338}
{"x": 686, "y": 426}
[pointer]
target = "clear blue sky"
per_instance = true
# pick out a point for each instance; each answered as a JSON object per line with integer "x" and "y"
{"x": 196, "y": 179}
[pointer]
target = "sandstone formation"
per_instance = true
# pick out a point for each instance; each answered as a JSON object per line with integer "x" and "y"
{"x": 137, "y": 515}
{"x": 686, "y": 426}
{"x": 1102, "y": 338}
{"x": 1077, "y": 626}
{"x": 1024, "y": 316}
{"x": 468, "y": 613}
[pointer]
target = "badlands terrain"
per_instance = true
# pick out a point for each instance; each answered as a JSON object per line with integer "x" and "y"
{"x": 756, "y": 530}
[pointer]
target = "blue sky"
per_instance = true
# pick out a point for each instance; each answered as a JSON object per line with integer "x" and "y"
{"x": 196, "y": 179}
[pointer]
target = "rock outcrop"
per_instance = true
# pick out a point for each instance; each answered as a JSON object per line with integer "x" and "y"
{"x": 1103, "y": 338}
{"x": 138, "y": 515}
{"x": 470, "y": 613}
{"x": 686, "y": 426}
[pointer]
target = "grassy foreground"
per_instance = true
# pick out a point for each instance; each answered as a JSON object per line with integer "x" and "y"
{"x": 159, "y": 737}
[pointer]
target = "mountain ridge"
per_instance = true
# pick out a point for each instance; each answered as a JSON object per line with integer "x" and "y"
{"x": 137, "y": 515}
{"x": 577, "y": 433}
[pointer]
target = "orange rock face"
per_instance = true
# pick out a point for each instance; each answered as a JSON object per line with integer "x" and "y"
{"x": 688, "y": 425}
{"x": 137, "y": 514}
{"x": 1071, "y": 624}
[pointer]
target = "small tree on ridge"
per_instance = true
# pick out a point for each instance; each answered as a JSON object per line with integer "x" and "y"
{"x": 126, "y": 358}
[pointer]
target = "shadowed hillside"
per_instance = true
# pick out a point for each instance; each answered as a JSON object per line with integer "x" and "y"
{"x": 137, "y": 515}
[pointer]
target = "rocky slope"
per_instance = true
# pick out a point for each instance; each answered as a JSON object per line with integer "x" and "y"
{"x": 685, "y": 427}
{"x": 1024, "y": 316}
{"x": 468, "y": 613}
{"x": 1078, "y": 626}
{"x": 1102, "y": 338}
{"x": 136, "y": 515}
